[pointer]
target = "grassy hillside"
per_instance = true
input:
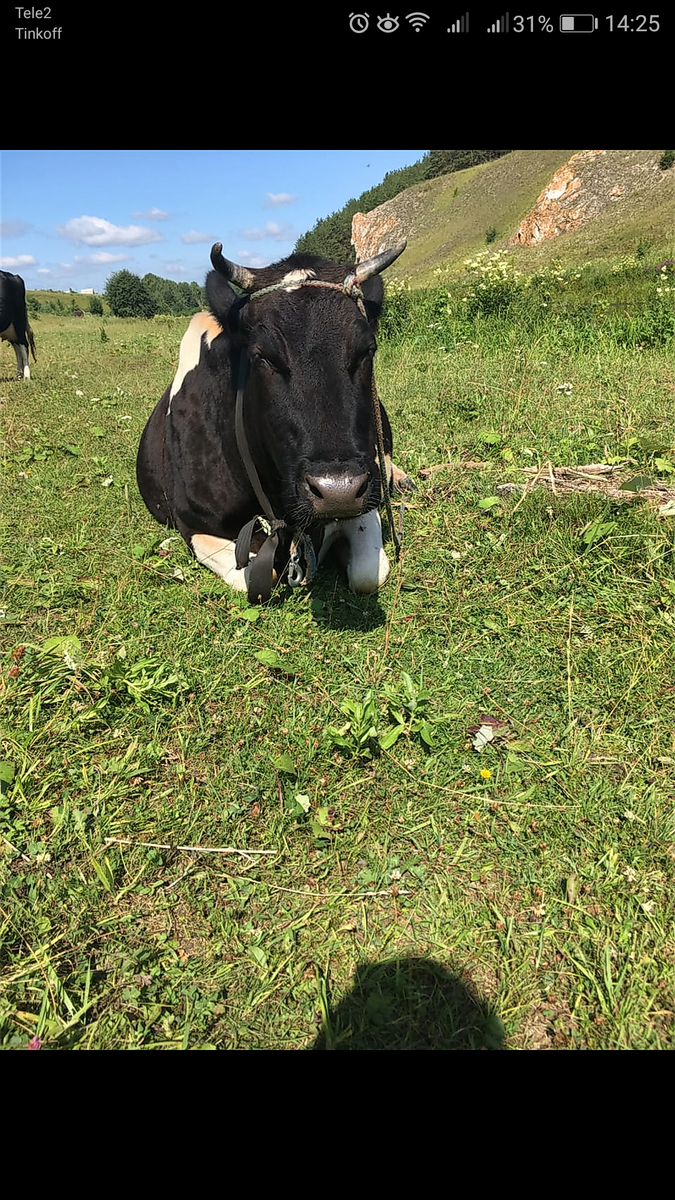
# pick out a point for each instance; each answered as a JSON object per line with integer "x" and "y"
{"x": 68, "y": 299}
{"x": 448, "y": 217}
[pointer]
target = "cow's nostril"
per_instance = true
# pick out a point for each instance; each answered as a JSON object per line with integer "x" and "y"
{"x": 337, "y": 494}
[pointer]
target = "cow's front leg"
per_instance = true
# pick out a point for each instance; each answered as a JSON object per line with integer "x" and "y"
{"x": 22, "y": 368}
{"x": 367, "y": 563}
{"x": 218, "y": 555}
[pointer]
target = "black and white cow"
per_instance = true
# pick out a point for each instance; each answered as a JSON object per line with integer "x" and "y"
{"x": 299, "y": 355}
{"x": 14, "y": 325}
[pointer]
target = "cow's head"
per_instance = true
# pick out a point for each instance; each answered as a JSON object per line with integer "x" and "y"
{"x": 308, "y": 407}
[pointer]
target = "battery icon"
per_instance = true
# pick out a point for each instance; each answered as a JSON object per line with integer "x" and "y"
{"x": 578, "y": 23}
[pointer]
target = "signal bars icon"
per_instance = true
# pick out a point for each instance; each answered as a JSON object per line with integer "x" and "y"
{"x": 461, "y": 25}
{"x": 500, "y": 26}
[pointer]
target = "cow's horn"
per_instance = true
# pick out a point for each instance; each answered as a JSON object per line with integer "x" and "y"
{"x": 380, "y": 262}
{"x": 242, "y": 276}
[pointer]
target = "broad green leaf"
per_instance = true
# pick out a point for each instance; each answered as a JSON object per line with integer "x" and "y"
{"x": 69, "y": 648}
{"x": 319, "y": 830}
{"x": 391, "y": 736}
{"x": 258, "y": 955}
{"x": 489, "y": 502}
{"x": 247, "y": 614}
{"x": 572, "y": 888}
{"x": 426, "y": 734}
{"x": 104, "y": 873}
{"x": 6, "y": 775}
{"x": 97, "y": 431}
{"x": 636, "y": 484}
{"x": 493, "y": 625}
{"x": 285, "y": 763}
{"x": 303, "y": 800}
{"x": 270, "y": 658}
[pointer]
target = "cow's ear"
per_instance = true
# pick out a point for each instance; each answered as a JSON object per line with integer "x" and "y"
{"x": 373, "y": 295}
{"x": 219, "y": 296}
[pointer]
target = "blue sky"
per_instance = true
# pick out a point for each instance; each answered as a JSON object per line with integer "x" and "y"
{"x": 69, "y": 218}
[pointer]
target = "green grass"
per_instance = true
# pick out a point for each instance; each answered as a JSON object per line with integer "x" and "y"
{"x": 415, "y": 896}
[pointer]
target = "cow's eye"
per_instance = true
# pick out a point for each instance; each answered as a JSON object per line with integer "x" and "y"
{"x": 364, "y": 357}
{"x": 260, "y": 360}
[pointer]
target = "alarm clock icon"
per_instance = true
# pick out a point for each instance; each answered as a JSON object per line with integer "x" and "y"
{"x": 358, "y": 22}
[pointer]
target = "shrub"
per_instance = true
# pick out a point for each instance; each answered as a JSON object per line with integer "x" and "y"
{"x": 128, "y": 296}
{"x": 490, "y": 235}
{"x": 96, "y": 306}
{"x": 667, "y": 159}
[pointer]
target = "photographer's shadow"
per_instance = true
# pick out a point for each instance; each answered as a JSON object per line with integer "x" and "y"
{"x": 410, "y": 1004}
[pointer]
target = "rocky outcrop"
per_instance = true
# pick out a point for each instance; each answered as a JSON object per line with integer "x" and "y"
{"x": 375, "y": 231}
{"x": 579, "y": 191}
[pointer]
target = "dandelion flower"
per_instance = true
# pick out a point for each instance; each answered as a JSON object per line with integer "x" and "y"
{"x": 485, "y": 774}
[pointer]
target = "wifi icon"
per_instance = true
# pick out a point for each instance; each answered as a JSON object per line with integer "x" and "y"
{"x": 417, "y": 20}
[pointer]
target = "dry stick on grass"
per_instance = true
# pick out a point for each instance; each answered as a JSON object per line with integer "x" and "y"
{"x": 189, "y": 849}
{"x": 530, "y": 485}
{"x": 600, "y": 479}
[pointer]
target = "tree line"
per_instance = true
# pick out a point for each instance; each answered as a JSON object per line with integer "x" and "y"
{"x": 331, "y": 237}
{"x": 130, "y": 296}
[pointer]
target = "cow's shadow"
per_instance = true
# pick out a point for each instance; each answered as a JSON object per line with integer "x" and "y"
{"x": 410, "y": 1004}
{"x": 335, "y": 607}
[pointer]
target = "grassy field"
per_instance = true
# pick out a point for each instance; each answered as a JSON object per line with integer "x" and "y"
{"x": 373, "y": 870}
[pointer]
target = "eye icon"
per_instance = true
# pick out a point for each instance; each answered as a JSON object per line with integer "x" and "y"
{"x": 387, "y": 24}
{"x": 358, "y": 22}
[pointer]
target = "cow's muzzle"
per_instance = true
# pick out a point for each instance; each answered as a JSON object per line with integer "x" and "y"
{"x": 337, "y": 495}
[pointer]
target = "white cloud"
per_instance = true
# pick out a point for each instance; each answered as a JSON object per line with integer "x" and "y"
{"x": 103, "y": 256}
{"x": 274, "y": 199}
{"x": 153, "y": 214}
{"x": 248, "y": 259}
{"x": 11, "y": 229}
{"x": 95, "y": 231}
{"x": 177, "y": 267}
{"x": 44, "y": 271}
{"x": 280, "y": 233}
{"x": 194, "y": 236}
{"x": 19, "y": 260}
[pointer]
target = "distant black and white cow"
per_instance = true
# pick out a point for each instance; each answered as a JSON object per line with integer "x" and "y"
{"x": 273, "y": 413}
{"x": 14, "y": 325}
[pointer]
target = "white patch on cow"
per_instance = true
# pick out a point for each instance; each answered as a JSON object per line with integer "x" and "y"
{"x": 368, "y": 565}
{"x": 201, "y": 325}
{"x": 218, "y": 554}
{"x": 296, "y": 278}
